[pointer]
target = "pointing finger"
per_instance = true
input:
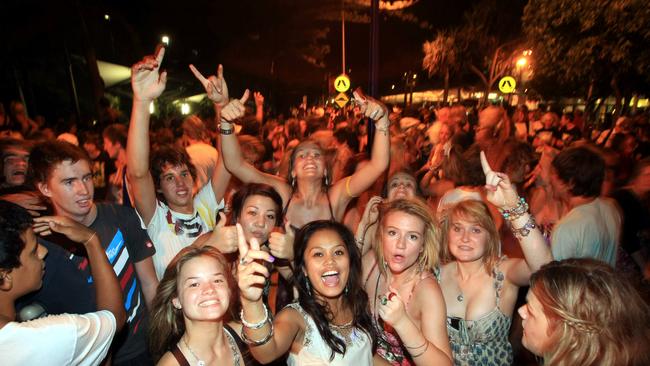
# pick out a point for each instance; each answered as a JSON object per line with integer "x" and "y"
{"x": 198, "y": 75}
{"x": 160, "y": 53}
{"x": 241, "y": 241}
{"x": 255, "y": 244}
{"x": 484, "y": 163}
{"x": 244, "y": 98}
{"x": 287, "y": 228}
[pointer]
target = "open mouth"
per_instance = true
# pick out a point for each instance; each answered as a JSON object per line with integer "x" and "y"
{"x": 208, "y": 303}
{"x": 398, "y": 258}
{"x": 330, "y": 278}
{"x": 84, "y": 202}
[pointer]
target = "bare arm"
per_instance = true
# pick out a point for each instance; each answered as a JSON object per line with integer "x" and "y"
{"x": 148, "y": 280}
{"x": 107, "y": 289}
{"x": 147, "y": 84}
{"x": 259, "y": 107}
{"x": 220, "y": 177}
{"x": 503, "y": 194}
{"x": 347, "y": 188}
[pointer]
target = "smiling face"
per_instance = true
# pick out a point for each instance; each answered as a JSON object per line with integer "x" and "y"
{"x": 28, "y": 277}
{"x": 258, "y": 217}
{"x": 70, "y": 187}
{"x": 467, "y": 239}
{"x": 402, "y": 240}
{"x": 537, "y": 336}
{"x": 176, "y": 184}
{"x": 327, "y": 263}
{"x": 401, "y": 185}
{"x": 308, "y": 161}
{"x": 203, "y": 292}
{"x": 14, "y": 161}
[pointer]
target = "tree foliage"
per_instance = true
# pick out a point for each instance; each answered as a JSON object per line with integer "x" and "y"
{"x": 582, "y": 43}
{"x": 440, "y": 57}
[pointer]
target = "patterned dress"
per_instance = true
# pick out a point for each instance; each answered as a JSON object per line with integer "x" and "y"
{"x": 483, "y": 341}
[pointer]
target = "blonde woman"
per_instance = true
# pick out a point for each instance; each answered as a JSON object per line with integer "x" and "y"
{"x": 478, "y": 284}
{"x": 580, "y": 313}
{"x": 405, "y": 299}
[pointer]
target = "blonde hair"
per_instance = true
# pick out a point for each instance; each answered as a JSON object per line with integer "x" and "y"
{"x": 430, "y": 256}
{"x": 595, "y": 317}
{"x": 166, "y": 323}
{"x": 473, "y": 211}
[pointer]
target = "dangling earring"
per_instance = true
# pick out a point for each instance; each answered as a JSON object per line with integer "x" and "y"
{"x": 327, "y": 180}
{"x": 308, "y": 286}
{"x": 384, "y": 264}
{"x": 293, "y": 182}
{"x": 347, "y": 289}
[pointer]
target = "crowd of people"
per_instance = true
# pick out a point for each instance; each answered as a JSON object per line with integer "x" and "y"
{"x": 353, "y": 236}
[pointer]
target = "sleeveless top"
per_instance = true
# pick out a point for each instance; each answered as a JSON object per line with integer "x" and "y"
{"x": 389, "y": 345}
{"x": 286, "y": 208}
{"x": 316, "y": 352}
{"x": 245, "y": 353}
{"x": 483, "y": 341}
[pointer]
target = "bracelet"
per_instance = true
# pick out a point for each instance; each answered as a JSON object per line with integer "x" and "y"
{"x": 525, "y": 230}
{"x": 225, "y": 131}
{"x": 257, "y": 325}
{"x": 418, "y": 347}
{"x": 423, "y": 351}
{"x": 89, "y": 239}
{"x": 517, "y": 212}
{"x": 261, "y": 342}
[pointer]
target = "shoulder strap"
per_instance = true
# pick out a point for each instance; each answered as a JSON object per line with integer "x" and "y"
{"x": 329, "y": 203}
{"x": 179, "y": 356}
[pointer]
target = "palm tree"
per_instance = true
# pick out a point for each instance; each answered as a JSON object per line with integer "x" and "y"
{"x": 440, "y": 57}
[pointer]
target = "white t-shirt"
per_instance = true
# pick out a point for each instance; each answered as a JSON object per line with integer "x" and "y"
{"x": 171, "y": 231}
{"x": 591, "y": 230}
{"x": 66, "y": 339}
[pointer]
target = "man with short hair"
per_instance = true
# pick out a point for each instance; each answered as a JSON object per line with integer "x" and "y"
{"x": 174, "y": 215}
{"x": 592, "y": 227}
{"x": 62, "y": 173}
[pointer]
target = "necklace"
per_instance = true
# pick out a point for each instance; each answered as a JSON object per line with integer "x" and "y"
{"x": 345, "y": 330}
{"x": 231, "y": 343}
{"x": 460, "y": 296}
{"x": 199, "y": 362}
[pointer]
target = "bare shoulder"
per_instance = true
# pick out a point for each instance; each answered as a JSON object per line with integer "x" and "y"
{"x": 428, "y": 293}
{"x": 168, "y": 359}
{"x": 368, "y": 263}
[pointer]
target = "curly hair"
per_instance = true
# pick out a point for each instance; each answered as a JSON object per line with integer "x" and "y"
{"x": 14, "y": 221}
{"x": 430, "y": 257}
{"x": 172, "y": 155}
{"x": 166, "y": 323}
{"x": 354, "y": 296}
{"x": 595, "y": 317}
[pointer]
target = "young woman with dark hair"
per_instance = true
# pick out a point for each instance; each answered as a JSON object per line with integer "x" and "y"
{"x": 330, "y": 323}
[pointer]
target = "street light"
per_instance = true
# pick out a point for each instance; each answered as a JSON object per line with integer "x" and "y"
{"x": 521, "y": 62}
{"x": 107, "y": 17}
{"x": 165, "y": 40}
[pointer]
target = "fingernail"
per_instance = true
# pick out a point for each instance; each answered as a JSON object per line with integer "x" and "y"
{"x": 271, "y": 258}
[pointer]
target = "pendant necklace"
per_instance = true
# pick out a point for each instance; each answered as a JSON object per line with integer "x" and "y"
{"x": 231, "y": 343}
{"x": 199, "y": 362}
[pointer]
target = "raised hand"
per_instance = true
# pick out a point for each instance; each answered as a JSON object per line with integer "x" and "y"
{"x": 259, "y": 98}
{"x": 223, "y": 237}
{"x": 73, "y": 230}
{"x": 281, "y": 245}
{"x": 372, "y": 210}
{"x": 391, "y": 308}
{"x": 369, "y": 106}
{"x": 500, "y": 191}
{"x": 235, "y": 109}
{"x": 147, "y": 81}
{"x": 251, "y": 273}
{"x": 215, "y": 86}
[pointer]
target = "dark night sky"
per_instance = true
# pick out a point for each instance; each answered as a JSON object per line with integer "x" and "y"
{"x": 262, "y": 43}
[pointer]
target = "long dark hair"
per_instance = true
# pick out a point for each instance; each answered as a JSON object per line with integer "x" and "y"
{"x": 354, "y": 296}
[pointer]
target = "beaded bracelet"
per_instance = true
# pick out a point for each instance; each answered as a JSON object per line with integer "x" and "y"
{"x": 517, "y": 212}
{"x": 262, "y": 341}
{"x": 257, "y": 325}
{"x": 525, "y": 230}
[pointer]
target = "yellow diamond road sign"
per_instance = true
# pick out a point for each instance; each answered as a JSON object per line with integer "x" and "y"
{"x": 507, "y": 84}
{"x": 341, "y": 100}
{"x": 342, "y": 83}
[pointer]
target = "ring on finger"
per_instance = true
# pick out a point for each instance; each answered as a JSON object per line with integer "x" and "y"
{"x": 383, "y": 300}
{"x": 243, "y": 261}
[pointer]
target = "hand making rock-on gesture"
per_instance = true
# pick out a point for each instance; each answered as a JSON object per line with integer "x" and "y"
{"x": 146, "y": 79}
{"x": 370, "y": 107}
{"x": 215, "y": 86}
{"x": 500, "y": 192}
{"x": 251, "y": 273}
